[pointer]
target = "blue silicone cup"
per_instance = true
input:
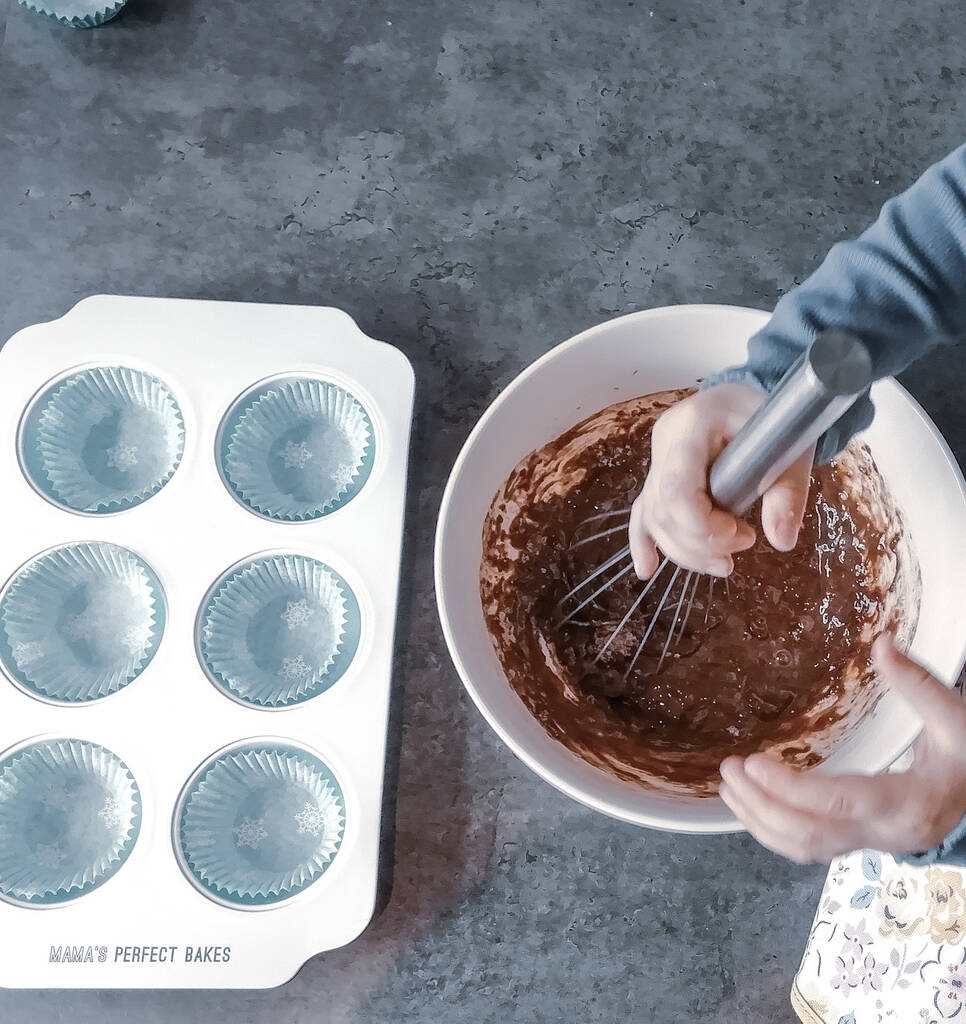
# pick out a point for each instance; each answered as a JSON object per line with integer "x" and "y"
{"x": 260, "y": 824}
{"x": 278, "y": 630}
{"x": 103, "y": 440}
{"x": 297, "y": 449}
{"x": 81, "y": 622}
{"x": 70, "y": 813}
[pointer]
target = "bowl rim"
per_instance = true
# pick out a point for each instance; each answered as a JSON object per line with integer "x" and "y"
{"x": 670, "y": 822}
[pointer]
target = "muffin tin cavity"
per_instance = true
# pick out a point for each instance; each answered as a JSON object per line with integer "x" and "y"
{"x": 80, "y": 622}
{"x": 296, "y": 449}
{"x": 259, "y": 824}
{"x": 102, "y": 440}
{"x": 278, "y": 630}
{"x": 70, "y": 812}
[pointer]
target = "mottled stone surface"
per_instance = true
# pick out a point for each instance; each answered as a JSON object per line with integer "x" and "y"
{"x": 473, "y": 183}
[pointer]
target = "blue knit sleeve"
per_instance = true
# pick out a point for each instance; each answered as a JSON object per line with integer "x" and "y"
{"x": 952, "y": 850}
{"x": 900, "y": 287}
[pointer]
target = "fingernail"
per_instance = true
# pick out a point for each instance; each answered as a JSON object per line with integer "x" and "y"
{"x": 732, "y": 769}
{"x": 884, "y": 645}
{"x": 756, "y": 768}
{"x": 786, "y": 533}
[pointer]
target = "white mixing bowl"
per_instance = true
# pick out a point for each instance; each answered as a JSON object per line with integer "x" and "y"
{"x": 633, "y": 355}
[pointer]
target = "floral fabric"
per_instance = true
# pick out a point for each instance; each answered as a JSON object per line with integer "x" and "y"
{"x": 888, "y": 944}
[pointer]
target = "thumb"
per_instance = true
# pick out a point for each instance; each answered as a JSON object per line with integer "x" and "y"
{"x": 783, "y": 504}
{"x": 643, "y": 549}
{"x": 940, "y": 708}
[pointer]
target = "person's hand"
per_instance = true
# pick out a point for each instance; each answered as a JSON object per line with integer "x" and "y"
{"x": 809, "y": 816}
{"x": 675, "y": 513}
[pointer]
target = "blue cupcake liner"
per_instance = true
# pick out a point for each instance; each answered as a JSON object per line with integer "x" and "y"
{"x": 297, "y": 449}
{"x": 70, "y": 813}
{"x": 81, "y": 622}
{"x": 76, "y": 13}
{"x": 260, "y": 823}
{"x": 104, "y": 440}
{"x": 279, "y": 630}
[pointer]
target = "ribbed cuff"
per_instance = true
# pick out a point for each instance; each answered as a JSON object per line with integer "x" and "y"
{"x": 951, "y": 850}
{"x": 854, "y": 419}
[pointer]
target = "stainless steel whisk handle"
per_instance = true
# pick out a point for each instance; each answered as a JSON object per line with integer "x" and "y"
{"x": 825, "y": 381}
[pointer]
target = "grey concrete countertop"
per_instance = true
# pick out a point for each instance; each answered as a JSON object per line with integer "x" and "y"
{"x": 474, "y": 183}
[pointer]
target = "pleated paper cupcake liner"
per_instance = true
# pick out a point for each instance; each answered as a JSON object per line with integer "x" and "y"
{"x": 81, "y": 622}
{"x": 70, "y": 813}
{"x": 104, "y": 440}
{"x": 76, "y": 13}
{"x": 261, "y": 823}
{"x": 272, "y": 631}
{"x": 297, "y": 449}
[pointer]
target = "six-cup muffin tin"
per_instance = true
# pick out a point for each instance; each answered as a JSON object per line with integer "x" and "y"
{"x": 203, "y": 508}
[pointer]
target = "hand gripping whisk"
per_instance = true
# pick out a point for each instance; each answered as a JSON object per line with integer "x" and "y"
{"x": 813, "y": 394}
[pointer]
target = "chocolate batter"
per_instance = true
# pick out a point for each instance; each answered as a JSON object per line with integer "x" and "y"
{"x": 770, "y": 659}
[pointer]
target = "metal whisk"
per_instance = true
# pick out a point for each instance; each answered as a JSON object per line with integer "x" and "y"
{"x": 813, "y": 394}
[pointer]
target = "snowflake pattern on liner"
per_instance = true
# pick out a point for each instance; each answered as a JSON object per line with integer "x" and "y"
{"x": 342, "y": 476}
{"x": 310, "y": 819}
{"x": 296, "y": 455}
{"x": 122, "y": 457}
{"x": 250, "y": 832}
{"x": 112, "y": 813}
{"x": 26, "y": 652}
{"x": 137, "y": 638}
{"x": 297, "y": 613}
{"x": 322, "y": 819}
{"x": 296, "y": 669}
{"x": 49, "y": 856}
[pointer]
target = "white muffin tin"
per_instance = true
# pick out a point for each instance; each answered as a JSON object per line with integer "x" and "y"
{"x": 148, "y": 926}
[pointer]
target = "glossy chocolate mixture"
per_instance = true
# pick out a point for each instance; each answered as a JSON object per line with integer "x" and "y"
{"x": 763, "y": 660}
